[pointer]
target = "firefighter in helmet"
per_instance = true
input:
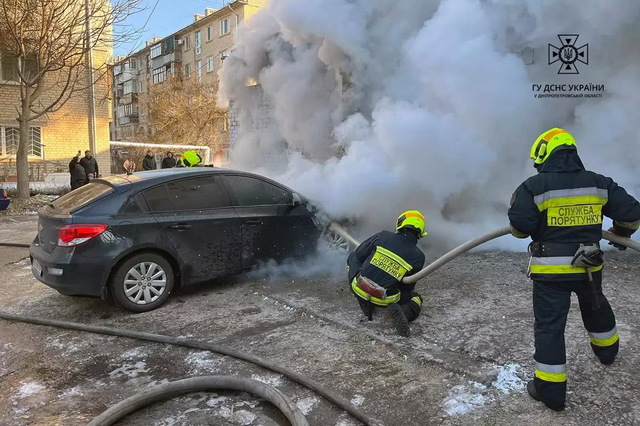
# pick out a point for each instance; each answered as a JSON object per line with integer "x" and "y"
{"x": 190, "y": 159}
{"x": 561, "y": 209}
{"x": 378, "y": 265}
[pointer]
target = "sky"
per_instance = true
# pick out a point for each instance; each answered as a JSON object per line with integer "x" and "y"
{"x": 162, "y": 18}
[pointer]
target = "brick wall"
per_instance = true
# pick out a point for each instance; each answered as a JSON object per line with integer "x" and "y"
{"x": 66, "y": 131}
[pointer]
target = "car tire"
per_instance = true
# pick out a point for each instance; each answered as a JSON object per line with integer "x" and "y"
{"x": 143, "y": 282}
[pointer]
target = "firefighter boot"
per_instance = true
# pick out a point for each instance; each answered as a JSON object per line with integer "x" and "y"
{"x": 398, "y": 319}
{"x": 531, "y": 388}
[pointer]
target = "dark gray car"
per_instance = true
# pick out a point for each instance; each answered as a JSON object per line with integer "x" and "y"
{"x": 136, "y": 237}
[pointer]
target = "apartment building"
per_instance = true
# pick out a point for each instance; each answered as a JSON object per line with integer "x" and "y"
{"x": 193, "y": 52}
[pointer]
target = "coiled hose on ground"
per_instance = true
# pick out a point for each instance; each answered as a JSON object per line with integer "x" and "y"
{"x": 200, "y": 384}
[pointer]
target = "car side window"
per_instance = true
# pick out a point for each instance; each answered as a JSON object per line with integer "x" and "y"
{"x": 197, "y": 194}
{"x": 158, "y": 199}
{"x": 250, "y": 191}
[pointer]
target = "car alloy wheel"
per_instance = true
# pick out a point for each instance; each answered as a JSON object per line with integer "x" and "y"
{"x": 336, "y": 241}
{"x": 144, "y": 283}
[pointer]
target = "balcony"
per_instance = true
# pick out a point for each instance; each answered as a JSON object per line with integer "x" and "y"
{"x": 127, "y": 75}
{"x": 132, "y": 118}
{"x": 166, "y": 59}
{"x": 129, "y": 98}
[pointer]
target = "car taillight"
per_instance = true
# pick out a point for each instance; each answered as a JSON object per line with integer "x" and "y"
{"x": 73, "y": 235}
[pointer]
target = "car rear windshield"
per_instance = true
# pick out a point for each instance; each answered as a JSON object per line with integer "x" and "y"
{"x": 82, "y": 196}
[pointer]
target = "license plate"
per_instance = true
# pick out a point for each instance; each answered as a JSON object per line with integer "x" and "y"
{"x": 37, "y": 268}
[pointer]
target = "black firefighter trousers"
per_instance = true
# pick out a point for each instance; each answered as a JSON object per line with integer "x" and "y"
{"x": 551, "y": 302}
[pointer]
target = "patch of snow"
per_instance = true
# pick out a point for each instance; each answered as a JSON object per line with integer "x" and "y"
{"x": 130, "y": 370}
{"x": 508, "y": 379}
{"x": 134, "y": 353}
{"x": 157, "y": 382}
{"x": 212, "y": 402}
{"x": 170, "y": 421}
{"x": 201, "y": 361}
{"x": 462, "y": 400}
{"x": 357, "y": 400}
{"x": 270, "y": 380}
{"x": 347, "y": 422}
{"x": 70, "y": 345}
{"x": 306, "y": 405}
{"x": 241, "y": 417}
{"x": 30, "y": 388}
{"x": 247, "y": 403}
{"x": 74, "y": 391}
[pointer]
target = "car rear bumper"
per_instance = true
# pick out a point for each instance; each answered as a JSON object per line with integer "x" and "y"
{"x": 68, "y": 273}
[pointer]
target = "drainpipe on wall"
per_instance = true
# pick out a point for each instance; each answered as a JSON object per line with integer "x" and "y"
{"x": 235, "y": 33}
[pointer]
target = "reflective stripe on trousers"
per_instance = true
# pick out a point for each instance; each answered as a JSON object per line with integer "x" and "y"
{"x": 551, "y": 373}
{"x": 376, "y": 301}
{"x": 556, "y": 265}
{"x": 607, "y": 338}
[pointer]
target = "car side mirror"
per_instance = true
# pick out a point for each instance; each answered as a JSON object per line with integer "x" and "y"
{"x": 296, "y": 200}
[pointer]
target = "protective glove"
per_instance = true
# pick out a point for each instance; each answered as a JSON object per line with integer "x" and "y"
{"x": 618, "y": 246}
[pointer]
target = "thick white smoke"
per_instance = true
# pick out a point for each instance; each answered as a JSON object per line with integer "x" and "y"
{"x": 380, "y": 106}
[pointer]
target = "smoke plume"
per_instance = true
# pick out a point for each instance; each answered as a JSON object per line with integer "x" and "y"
{"x": 376, "y": 107}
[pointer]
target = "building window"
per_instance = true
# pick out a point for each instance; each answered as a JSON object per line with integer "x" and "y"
{"x": 199, "y": 69}
{"x": 10, "y": 137}
{"x": 187, "y": 42}
{"x": 9, "y": 67}
{"x": 198, "y": 43}
{"x": 225, "y": 26}
{"x": 187, "y": 71}
{"x": 156, "y": 51}
{"x": 35, "y": 141}
{"x": 209, "y": 33}
{"x": 159, "y": 75}
{"x": 210, "y": 64}
{"x": 127, "y": 87}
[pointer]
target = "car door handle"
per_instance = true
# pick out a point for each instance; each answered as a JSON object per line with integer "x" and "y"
{"x": 180, "y": 226}
{"x": 254, "y": 221}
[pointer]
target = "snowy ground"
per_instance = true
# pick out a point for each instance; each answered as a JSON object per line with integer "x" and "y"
{"x": 466, "y": 362}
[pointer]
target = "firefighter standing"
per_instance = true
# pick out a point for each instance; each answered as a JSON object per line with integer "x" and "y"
{"x": 377, "y": 266}
{"x": 561, "y": 209}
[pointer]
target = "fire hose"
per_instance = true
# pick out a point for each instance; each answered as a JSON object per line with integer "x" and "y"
{"x": 463, "y": 248}
{"x": 199, "y": 384}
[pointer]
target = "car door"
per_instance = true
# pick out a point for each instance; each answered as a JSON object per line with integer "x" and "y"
{"x": 271, "y": 223}
{"x": 195, "y": 214}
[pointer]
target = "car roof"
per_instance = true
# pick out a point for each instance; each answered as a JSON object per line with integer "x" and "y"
{"x": 149, "y": 178}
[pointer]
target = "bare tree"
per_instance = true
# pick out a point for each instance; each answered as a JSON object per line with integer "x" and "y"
{"x": 184, "y": 111}
{"x": 51, "y": 42}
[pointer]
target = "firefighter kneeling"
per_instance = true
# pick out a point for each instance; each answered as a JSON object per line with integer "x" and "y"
{"x": 377, "y": 266}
